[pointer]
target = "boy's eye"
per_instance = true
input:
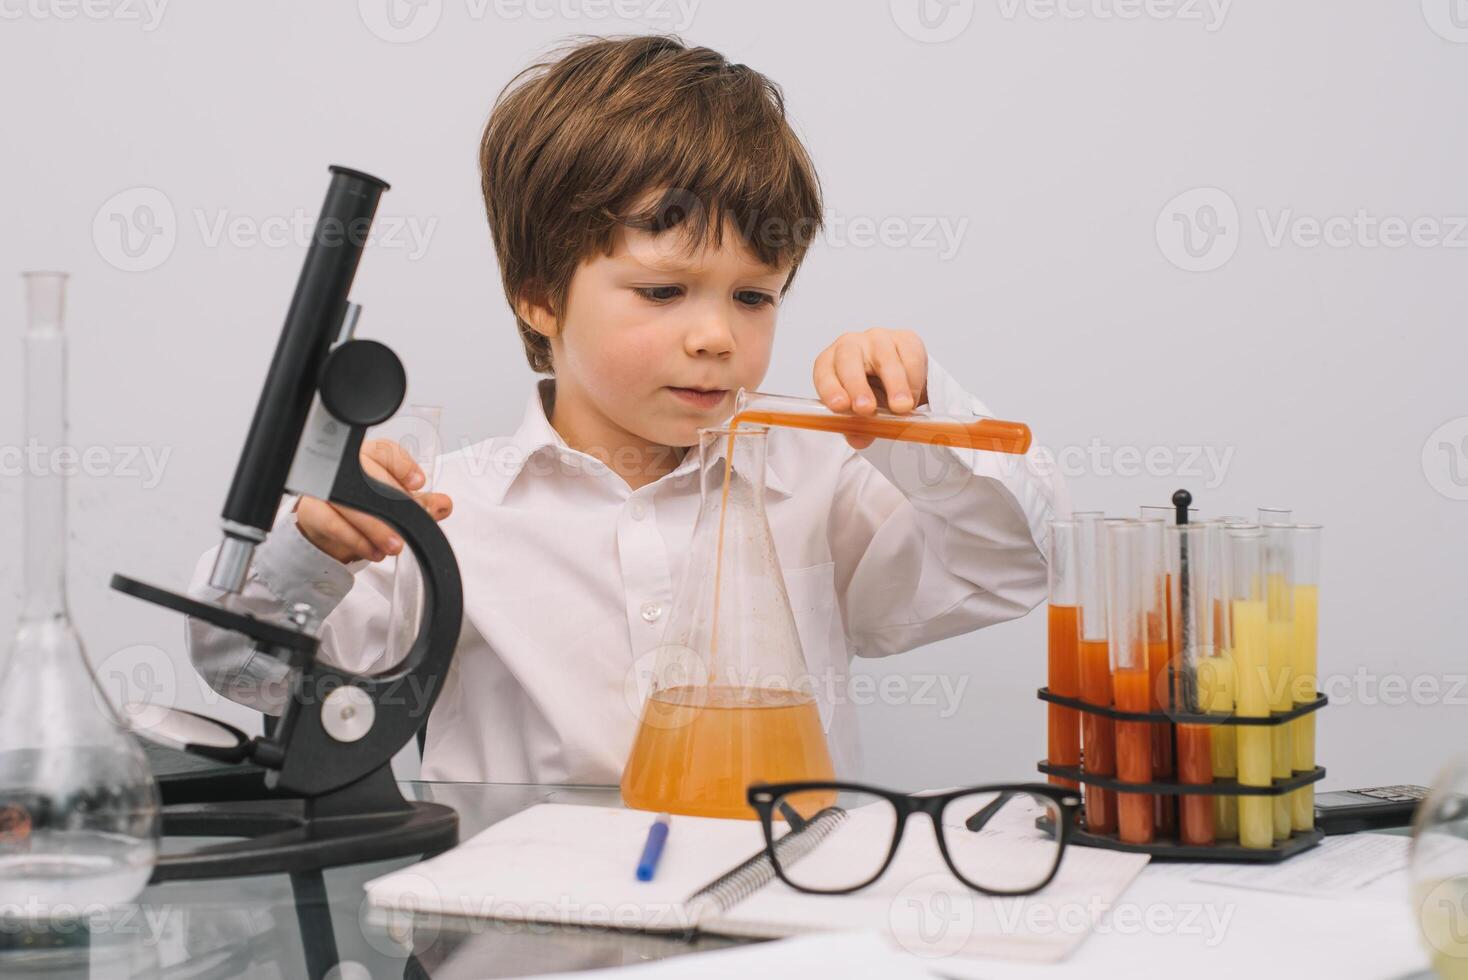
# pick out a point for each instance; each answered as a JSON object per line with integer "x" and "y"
{"x": 753, "y": 297}
{"x": 658, "y": 294}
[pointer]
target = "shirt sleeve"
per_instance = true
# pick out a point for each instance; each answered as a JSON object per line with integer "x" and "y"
{"x": 350, "y": 602}
{"x": 932, "y": 541}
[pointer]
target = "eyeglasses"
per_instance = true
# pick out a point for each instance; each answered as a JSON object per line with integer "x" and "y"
{"x": 831, "y": 838}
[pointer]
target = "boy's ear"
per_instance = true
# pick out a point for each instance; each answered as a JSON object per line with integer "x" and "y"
{"x": 534, "y": 310}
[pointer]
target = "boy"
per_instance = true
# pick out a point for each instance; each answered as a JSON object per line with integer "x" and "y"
{"x": 649, "y": 206}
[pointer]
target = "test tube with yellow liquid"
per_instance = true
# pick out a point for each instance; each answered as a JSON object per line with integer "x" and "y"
{"x": 1280, "y": 642}
{"x": 1217, "y": 683}
{"x": 1248, "y": 609}
{"x": 1307, "y": 603}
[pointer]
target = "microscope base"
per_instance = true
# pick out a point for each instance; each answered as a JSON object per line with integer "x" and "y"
{"x": 366, "y": 821}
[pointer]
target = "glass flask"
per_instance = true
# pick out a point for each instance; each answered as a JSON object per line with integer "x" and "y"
{"x": 416, "y": 430}
{"x": 79, "y": 809}
{"x": 731, "y": 702}
{"x": 1439, "y": 870}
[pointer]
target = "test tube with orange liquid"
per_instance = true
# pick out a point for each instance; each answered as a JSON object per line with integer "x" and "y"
{"x": 1098, "y": 734}
{"x": 1191, "y": 601}
{"x": 1159, "y": 655}
{"x": 1129, "y": 571}
{"x": 1063, "y": 746}
{"x": 921, "y": 425}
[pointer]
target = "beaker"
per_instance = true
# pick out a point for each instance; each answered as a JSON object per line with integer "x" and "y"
{"x": 78, "y": 805}
{"x": 731, "y": 701}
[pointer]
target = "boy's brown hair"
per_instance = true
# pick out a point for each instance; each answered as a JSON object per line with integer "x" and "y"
{"x": 647, "y": 132}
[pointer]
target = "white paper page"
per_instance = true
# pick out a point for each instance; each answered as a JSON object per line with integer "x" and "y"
{"x": 930, "y": 912}
{"x": 1354, "y": 867}
{"x": 1166, "y": 927}
{"x": 572, "y": 864}
{"x": 850, "y": 956}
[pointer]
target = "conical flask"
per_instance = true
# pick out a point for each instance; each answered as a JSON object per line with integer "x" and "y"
{"x": 731, "y": 702}
{"x": 79, "y": 811}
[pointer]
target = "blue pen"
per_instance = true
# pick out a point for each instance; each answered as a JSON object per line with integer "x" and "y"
{"x": 657, "y": 835}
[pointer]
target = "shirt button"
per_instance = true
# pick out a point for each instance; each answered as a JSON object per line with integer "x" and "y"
{"x": 651, "y": 611}
{"x": 638, "y": 511}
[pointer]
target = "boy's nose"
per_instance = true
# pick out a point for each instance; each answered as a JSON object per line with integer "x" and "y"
{"x": 710, "y": 334}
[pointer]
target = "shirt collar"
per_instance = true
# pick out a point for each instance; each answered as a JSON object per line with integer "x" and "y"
{"x": 536, "y": 435}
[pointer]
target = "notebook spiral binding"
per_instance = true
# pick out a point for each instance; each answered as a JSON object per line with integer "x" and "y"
{"x": 737, "y": 884}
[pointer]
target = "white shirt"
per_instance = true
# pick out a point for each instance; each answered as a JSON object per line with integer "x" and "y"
{"x": 569, "y": 574}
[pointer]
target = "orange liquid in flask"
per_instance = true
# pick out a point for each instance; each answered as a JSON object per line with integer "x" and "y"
{"x": 699, "y": 748}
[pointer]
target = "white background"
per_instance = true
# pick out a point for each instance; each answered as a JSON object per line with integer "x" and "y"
{"x": 1050, "y": 139}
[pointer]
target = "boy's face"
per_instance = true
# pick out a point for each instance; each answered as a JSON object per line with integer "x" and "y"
{"x": 656, "y": 338}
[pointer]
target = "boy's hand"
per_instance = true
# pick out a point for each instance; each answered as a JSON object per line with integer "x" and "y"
{"x": 876, "y": 368}
{"x": 349, "y": 535}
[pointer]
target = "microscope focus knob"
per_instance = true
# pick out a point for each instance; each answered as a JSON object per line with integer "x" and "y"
{"x": 363, "y": 382}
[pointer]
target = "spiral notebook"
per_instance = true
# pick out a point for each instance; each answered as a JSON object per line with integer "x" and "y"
{"x": 574, "y": 865}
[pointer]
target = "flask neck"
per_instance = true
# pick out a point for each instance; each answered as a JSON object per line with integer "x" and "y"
{"x": 733, "y": 455}
{"x": 46, "y": 455}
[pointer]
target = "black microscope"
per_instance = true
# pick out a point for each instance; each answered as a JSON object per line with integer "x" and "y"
{"x": 328, "y": 795}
